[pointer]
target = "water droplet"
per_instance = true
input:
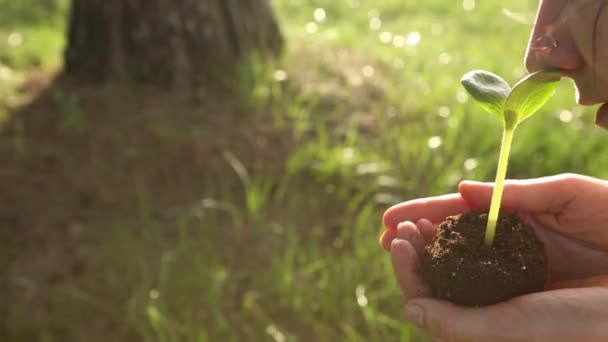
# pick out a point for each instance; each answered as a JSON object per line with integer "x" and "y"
{"x": 311, "y": 27}
{"x": 385, "y": 37}
{"x": 275, "y": 333}
{"x": 413, "y": 38}
{"x": 444, "y": 112}
{"x": 399, "y": 41}
{"x": 388, "y": 181}
{"x": 369, "y": 168}
{"x": 454, "y": 178}
{"x": 375, "y": 24}
{"x": 6, "y": 73}
{"x": 319, "y": 15}
{"x": 360, "y": 294}
{"x": 280, "y": 75}
{"x": 462, "y": 96}
{"x": 565, "y": 116}
{"x": 445, "y": 58}
{"x": 14, "y": 39}
{"x": 453, "y": 122}
{"x": 470, "y": 164}
{"x": 354, "y": 3}
{"x": 348, "y": 154}
{"x": 434, "y": 142}
{"x": 368, "y": 71}
{"x": 468, "y": 5}
{"x": 153, "y": 294}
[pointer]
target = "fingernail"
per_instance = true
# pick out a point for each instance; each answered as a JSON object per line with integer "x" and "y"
{"x": 401, "y": 224}
{"x": 414, "y": 314}
{"x": 473, "y": 182}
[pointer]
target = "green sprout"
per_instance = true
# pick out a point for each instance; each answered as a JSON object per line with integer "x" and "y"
{"x": 512, "y": 106}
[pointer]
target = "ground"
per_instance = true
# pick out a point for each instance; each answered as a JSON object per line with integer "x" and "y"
{"x": 91, "y": 164}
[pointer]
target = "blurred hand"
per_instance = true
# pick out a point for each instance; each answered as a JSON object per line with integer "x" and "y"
{"x": 569, "y": 214}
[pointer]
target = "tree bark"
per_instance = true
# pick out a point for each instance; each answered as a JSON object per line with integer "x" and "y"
{"x": 181, "y": 43}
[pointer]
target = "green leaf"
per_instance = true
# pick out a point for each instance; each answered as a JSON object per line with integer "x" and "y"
{"x": 488, "y": 89}
{"x": 528, "y": 95}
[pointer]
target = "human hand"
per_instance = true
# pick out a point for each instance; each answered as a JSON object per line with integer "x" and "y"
{"x": 569, "y": 215}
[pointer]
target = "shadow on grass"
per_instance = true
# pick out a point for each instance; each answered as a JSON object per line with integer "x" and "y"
{"x": 132, "y": 214}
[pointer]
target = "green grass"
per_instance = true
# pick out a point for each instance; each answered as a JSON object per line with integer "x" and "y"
{"x": 293, "y": 254}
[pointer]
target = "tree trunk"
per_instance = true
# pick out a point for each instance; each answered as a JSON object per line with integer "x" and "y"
{"x": 181, "y": 43}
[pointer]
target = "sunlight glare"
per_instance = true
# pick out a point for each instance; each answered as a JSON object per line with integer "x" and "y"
{"x": 6, "y": 73}
{"x": 280, "y": 75}
{"x": 413, "y": 38}
{"x": 444, "y": 112}
{"x": 375, "y": 24}
{"x": 386, "y": 37}
{"x": 154, "y": 294}
{"x": 435, "y": 142}
{"x": 462, "y": 96}
{"x": 361, "y": 297}
{"x": 311, "y": 27}
{"x": 368, "y": 71}
{"x": 319, "y": 15}
{"x": 445, "y": 58}
{"x": 468, "y": 5}
{"x": 275, "y": 333}
{"x": 348, "y": 155}
{"x": 566, "y": 116}
{"x": 399, "y": 41}
{"x": 470, "y": 164}
{"x": 15, "y": 39}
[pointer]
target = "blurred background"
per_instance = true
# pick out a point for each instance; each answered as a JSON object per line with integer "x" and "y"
{"x": 201, "y": 170}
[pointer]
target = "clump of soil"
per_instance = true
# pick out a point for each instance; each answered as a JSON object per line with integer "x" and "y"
{"x": 459, "y": 267}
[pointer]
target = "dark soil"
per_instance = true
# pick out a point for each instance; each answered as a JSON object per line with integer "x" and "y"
{"x": 461, "y": 269}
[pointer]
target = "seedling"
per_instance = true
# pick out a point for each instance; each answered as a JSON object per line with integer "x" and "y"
{"x": 512, "y": 106}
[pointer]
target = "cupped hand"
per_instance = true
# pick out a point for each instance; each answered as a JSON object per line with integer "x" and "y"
{"x": 569, "y": 214}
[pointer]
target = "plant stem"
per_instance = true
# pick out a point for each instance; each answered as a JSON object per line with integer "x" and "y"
{"x": 501, "y": 173}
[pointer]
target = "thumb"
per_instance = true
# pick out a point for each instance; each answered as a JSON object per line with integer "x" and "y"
{"x": 561, "y": 315}
{"x": 530, "y": 195}
{"x": 447, "y": 322}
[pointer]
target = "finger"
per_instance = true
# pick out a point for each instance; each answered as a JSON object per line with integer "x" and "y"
{"x": 567, "y": 258}
{"x": 581, "y": 283}
{"x": 427, "y": 228}
{"x": 434, "y": 209}
{"x": 544, "y": 194}
{"x": 563, "y": 315}
{"x": 409, "y": 231}
{"x": 387, "y": 238}
{"x": 405, "y": 260}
